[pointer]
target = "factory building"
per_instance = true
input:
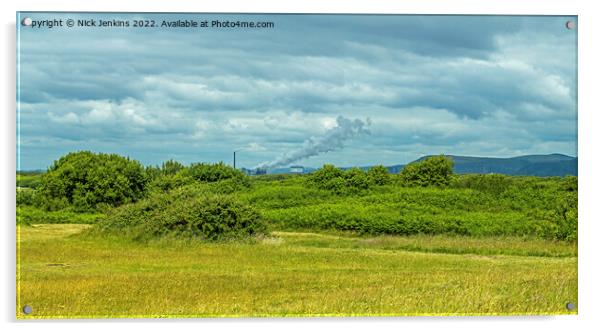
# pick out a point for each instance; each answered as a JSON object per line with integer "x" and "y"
{"x": 296, "y": 169}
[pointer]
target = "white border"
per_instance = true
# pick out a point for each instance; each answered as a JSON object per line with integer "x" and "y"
{"x": 590, "y": 277}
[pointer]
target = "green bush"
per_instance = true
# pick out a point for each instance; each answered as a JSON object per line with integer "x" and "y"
{"x": 230, "y": 186}
{"x": 171, "y": 167}
{"x": 338, "y": 181}
{"x": 204, "y": 172}
{"x": 528, "y": 206}
{"x": 356, "y": 179}
{"x": 86, "y": 180}
{"x": 329, "y": 178}
{"x": 192, "y": 211}
{"x": 401, "y": 219}
{"x": 168, "y": 168}
{"x": 172, "y": 175}
{"x": 167, "y": 182}
{"x": 569, "y": 184}
{"x": 282, "y": 195}
{"x": 27, "y": 196}
{"x": 379, "y": 175}
{"x": 431, "y": 171}
{"x": 325, "y": 174}
{"x": 495, "y": 184}
{"x": 566, "y": 212}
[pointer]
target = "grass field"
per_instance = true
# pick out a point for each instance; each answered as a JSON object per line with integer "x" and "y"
{"x": 63, "y": 273}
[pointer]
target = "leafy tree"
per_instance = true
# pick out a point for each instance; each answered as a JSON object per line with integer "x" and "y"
{"x": 431, "y": 171}
{"x": 87, "y": 180}
{"x": 379, "y": 175}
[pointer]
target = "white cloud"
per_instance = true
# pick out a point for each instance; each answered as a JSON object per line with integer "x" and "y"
{"x": 329, "y": 122}
{"x": 69, "y": 118}
{"x": 255, "y": 147}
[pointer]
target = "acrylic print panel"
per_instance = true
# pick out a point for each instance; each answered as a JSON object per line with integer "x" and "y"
{"x": 203, "y": 165}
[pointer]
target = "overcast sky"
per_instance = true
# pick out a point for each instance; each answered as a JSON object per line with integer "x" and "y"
{"x": 464, "y": 85}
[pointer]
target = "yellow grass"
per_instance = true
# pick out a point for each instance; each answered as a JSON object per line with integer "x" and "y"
{"x": 288, "y": 274}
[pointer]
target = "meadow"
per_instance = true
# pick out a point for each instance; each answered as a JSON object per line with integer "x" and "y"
{"x": 63, "y": 274}
{"x": 207, "y": 240}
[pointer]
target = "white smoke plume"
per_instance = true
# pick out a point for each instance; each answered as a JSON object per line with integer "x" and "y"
{"x": 332, "y": 140}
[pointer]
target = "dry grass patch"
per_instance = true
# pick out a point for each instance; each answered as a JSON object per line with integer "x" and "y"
{"x": 106, "y": 277}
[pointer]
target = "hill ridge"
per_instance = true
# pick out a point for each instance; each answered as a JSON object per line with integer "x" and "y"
{"x": 541, "y": 165}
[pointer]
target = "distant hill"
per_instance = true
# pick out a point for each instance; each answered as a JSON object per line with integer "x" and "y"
{"x": 527, "y": 165}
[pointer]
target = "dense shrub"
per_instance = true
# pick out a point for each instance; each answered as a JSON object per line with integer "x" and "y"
{"x": 566, "y": 211}
{"x": 171, "y": 167}
{"x": 283, "y": 195}
{"x": 204, "y": 172}
{"x": 356, "y": 179}
{"x": 528, "y": 206}
{"x": 379, "y": 175}
{"x": 164, "y": 183}
{"x": 87, "y": 180}
{"x": 402, "y": 219}
{"x": 491, "y": 183}
{"x": 329, "y": 178}
{"x": 230, "y": 185}
{"x": 173, "y": 175}
{"x": 325, "y": 174}
{"x": 431, "y": 171}
{"x": 191, "y": 211}
{"x": 338, "y": 181}
{"x": 27, "y": 197}
{"x": 569, "y": 184}
{"x": 565, "y": 220}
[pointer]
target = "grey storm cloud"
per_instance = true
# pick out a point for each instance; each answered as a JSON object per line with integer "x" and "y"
{"x": 478, "y": 85}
